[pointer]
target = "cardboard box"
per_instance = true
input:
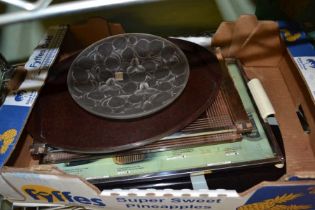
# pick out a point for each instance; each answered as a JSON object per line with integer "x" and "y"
{"x": 258, "y": 46}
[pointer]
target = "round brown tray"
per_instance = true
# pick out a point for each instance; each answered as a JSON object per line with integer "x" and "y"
{"x": 58, "y": 121}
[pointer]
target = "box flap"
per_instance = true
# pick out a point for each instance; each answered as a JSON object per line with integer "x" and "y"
{"x": 57, "y": 188}
{"x": 50, "y": 187}
{"x": 8, "y": 192}
{"x": 18, "y": 104}
{"x": 263, "y": 56}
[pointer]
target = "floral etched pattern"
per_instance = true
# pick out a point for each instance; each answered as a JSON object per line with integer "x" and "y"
{"x": 128, "y": 76}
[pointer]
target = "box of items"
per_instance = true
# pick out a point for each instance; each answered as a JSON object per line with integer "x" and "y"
{"x": 136, "y": 121}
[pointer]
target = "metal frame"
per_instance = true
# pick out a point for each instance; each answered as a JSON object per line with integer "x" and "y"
{"x": 42, "y": 8}
{"x": 27, "y": 5}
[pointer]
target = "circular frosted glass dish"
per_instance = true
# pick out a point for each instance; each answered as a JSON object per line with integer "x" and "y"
{"x": 128, "y": 76}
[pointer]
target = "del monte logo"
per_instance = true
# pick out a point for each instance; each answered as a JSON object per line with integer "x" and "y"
{"x": 277, "y": 203}
{"x": 51, "y": 195}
